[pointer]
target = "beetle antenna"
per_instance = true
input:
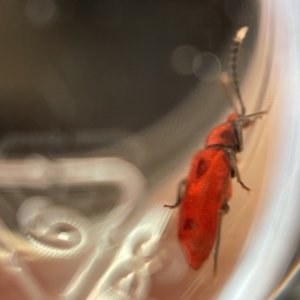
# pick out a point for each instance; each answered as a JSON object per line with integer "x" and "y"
{"x": 226, "y": 84}
{"x": 237, "y": 42}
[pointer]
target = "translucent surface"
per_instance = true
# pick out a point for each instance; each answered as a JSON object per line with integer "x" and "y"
{"x": 132, "y": 251}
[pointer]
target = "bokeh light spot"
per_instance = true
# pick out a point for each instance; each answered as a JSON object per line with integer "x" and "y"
{"x": 206, "y": 66}
{"x": 182, "y": 59}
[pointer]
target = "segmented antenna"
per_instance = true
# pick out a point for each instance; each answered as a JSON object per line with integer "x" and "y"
{"x": 237, "y": 42}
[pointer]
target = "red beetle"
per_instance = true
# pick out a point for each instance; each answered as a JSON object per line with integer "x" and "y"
{"x": 204, "y": 194}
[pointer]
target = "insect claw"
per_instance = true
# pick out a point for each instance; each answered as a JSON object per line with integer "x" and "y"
{"x": 169, "y": 206}
{"x": 179, "y": 194}
{"x": 245, "y": 187}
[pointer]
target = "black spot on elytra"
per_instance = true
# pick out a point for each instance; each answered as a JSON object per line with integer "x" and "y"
{"x": 226, "y": 134}
{"x": 201, "y": 168}
{"x": 189, "y": 224}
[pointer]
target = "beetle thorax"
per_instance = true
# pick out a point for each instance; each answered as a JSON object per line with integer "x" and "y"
{"x": 223, "y": 135}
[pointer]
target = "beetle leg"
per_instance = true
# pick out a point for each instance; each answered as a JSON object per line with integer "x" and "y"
{"x": 239, "y": 136}
{"x": 235, "y": 168}
{"x": 223, "y": 211}
{"x": 244, "y": 122}
{"x": 180, "y": 193}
